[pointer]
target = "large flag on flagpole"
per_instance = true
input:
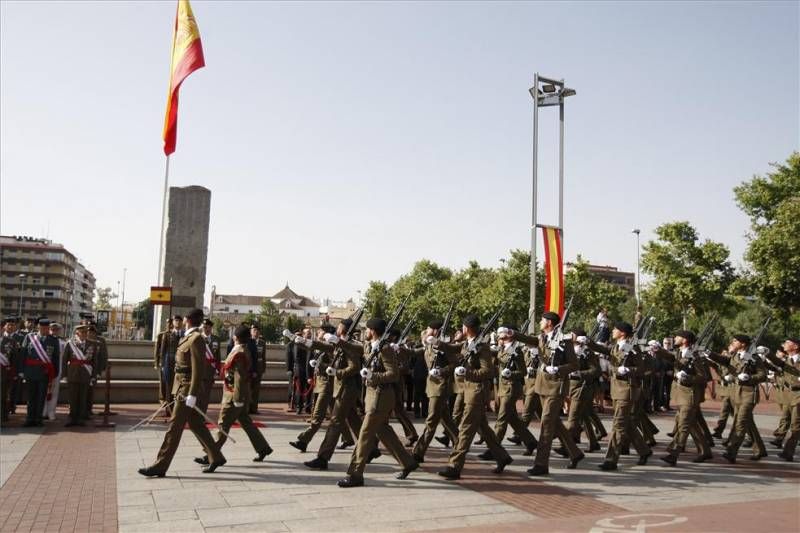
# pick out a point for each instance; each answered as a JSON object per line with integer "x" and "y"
{"x": 187, "y": 56}
{"x": 554, "y": 271}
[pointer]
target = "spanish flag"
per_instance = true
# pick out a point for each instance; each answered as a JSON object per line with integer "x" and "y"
{"x": 187, "y": 56}
{"x": 554, "y": 271}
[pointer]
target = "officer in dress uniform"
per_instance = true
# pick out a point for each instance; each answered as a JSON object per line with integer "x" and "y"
{"x": 9, "y": 350}
{"x": 102, "y": 364}
{"x": 474, "y": 373}
{"x": 323, "y": 390}
{"x": 164, "y": 357}
{"x": 212, "y": 358}
{"x": 189, "y": 364}
{"x": 41, "y": 357}
{"x": 297, "y": 357}
{"x": 80, "y": 357}
{"x": 382, "y": 381}
{"x": 625, "y": 359}
{"x": 258, "y": 348}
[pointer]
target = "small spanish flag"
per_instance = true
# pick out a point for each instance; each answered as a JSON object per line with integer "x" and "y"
{"x": 554, "y": 271}
{"x": 187, "y": 56}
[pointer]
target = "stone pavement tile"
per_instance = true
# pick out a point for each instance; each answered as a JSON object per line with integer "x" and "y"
{"x": 177, "y": 526}
{"x": 137, "y": 514}
{"x": 140, "y": 483}
{"x": 261, "y": 497}
{"x": 170, "y": 499}
{"x": 249, "y": 514}
{"x": 167, "y": 516}
{"x": 144, "y": 497}
{"x": 262, "y": 527}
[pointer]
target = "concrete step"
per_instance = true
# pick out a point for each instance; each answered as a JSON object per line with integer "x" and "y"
{"x": 142, "y": 369}
{"x": 146, "y": 391}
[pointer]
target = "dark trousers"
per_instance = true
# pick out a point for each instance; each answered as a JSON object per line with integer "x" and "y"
{"x": 37, "y": 394}
{"x": 658, "y": 390}
{"x": 420, "y": 398}
{"x": 78, "y": 392}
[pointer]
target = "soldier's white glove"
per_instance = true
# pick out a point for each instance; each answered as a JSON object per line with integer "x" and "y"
{"x": 288, "y": 334}
{"x": 762, "y": 350}
{"x": 728, "y": 378}
{"x": 743, "y": 377}
{"x": 313, "y": 363}
{"x": 531, "y": 370}
{"x": 238, "y": 404}
{"x": 574, "y": 374}
{"x": 798, "y": 378}
{"x": 582, "y": 339}
{"x": 93, "y": 382}
{"x": 191, "y": 401}
{"x": 430, "y": 339}
{"x": 330, "y": 338}
{"x": 366, "y": 373}
{"x": 461, "y": 371}
{"x": 534, "y": 352}
{"x": 654, "y": 344}
{"x": 623, "y": 370}
{"x": 308, "y": 342}
{"x": 330, "y": 371}
{"x": 506, "y": 373}
{"x": 552, "y": 370}
{"x": 681, "y": 375}
{"x": 626, "y": 347}
{"x": 395, "y": 347}
{"x": 503, "y": 332}
{"x": 435, "y": 373}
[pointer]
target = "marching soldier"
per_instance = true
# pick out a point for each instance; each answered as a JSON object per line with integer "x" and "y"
{"x": 344, "y": 368}
{"x": 41, "y": 357}
{"x": 164, "y": 358}
{"x": 474, "y": 373}
{"x": 9, "y": 349}
{"x": 211, "y": 368}
{"x": 557, "y": 361}
{"x": 381, "y": 378}
{"x": 723, "y": 389}
{"x": 691, "y": 374}
{"x": 403, "y": 367}
{"x": 438, "y": 388}
{"x": 782, "y": 394}
{"x": 791, "y": 379}
{"x": 581, "y": 391}
{"x": 189, "y": 364}
{"x": 323, "y": 389}
{"x": 532, "y": 404}
{"x": 259, "y": 366}
{"x": 80, "y": 356}
{"x": 510, "y": 360}
{"x": 624, "y": 358}
{"x": 102, "y": 364}
{"x": 235, "y": 381}
{"x": 747, "y": 372}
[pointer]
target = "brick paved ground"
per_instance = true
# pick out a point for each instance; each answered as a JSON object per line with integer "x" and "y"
{"x": 282, "y": 495}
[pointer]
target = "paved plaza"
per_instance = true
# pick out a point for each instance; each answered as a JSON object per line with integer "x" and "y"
{"x": 86, "y": 480}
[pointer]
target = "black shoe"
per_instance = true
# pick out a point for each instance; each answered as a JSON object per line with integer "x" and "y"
{"x": 406, "y": 471}
{"x": 593, "y": 449}
{"x": 409, "y": 443}
{"x": 29, "y": 424}
{"x": 81, "y": 424}
{"x": 151, "y": 472}
{"x": 643, "y": 459}
{"x": 479, "y": 441}
{"x": 529, "y": 450}
{"x": 561, "y": 451}
{"x": 486, "y": 456}
{"x": 449, "y": 473}
{"x": 670, "y": 434}
{"x": 573, "y": 463}
{"x": 202, "y": 460}
{"x": 729, "y": 457}
{"x": 726, "y": 442}
{"x": 652, "y": 443}
{"x": 625, "y": 451}
{"x": 702, "y": 458}
{"x": 711, "y": 443}
{"x": 299, "y": 445}
{"x": 344, "y": 445}
{"x": 514, "y": 439}
{"x": 502, "y": 464}
{"x": 778, "y": 443}
{"x": 538, "y": 471}
{"x": 263, "y": 453}
{"x": 671, "y": 460}
{"x": 317, "y": 463}
{"x": 717, "y": 434}
{"x": 70, "y": 424}
{"x": 747, "y": 444}
{"x": 444, "y": 441}
{"x": 374, "y": 454}
{"x": 757, "y": 456}
{"x": 607, "y": 466}
{"x": 602, "y": 435}
{"x": 786, "y": 457}
{"x": 213, "y": 466}
{"x": 418, "y": 458}
{"x": 351, "y": 481}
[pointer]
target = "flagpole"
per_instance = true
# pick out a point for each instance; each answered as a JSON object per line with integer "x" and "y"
{"x": 157, "y": 310}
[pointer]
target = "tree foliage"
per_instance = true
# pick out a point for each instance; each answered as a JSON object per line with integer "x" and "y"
{"x": 590, "y": 294}
{"x": 103, "y": 297}
{"x": 143, "y": 317}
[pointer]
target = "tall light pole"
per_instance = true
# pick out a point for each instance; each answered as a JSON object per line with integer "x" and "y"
{"x": 21, "y": 290}
{"x": 122, "y": 304}
{"x": 546, "y": 92}
{"x": 638, "y": 268}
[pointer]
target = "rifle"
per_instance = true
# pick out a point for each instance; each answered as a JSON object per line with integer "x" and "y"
{"x": 481, "y": 338}
{"x": 707, "y": 332}
{"x": 525, "y": 325}
{"x": 407, "y": 330}
{"x": 385, "y": 337}
{"x": 557, "y": 335}
{"x": 440, "y": 356}
{"x": 355, "y": 318}
{"x": 751, "y": 350}
{"x": 595, "y": 330}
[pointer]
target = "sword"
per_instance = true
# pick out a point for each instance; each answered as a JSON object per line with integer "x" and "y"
{"x": 152, "y": 417}
{"x": 205, "y": 416}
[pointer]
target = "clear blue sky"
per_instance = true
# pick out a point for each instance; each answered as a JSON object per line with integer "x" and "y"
{"x": 322, "y": 127}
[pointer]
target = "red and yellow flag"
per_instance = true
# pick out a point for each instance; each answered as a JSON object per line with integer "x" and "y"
{"x": 554, "y": 271}
{"x": 187, "y": 56}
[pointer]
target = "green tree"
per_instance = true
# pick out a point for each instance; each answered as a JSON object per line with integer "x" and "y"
{"x": 512, "y": 285}
{"x": 688, "y": 276}
{"x": 773, "y": 204}
{"x": 293, "y": 322}
{"x": 270, "y": 321}
{"x": 423, "y": 286}
{"x": 375, "y": 299}
{"x": 103, "y": 297}
{"x": 590, "y": 293}
{"x": 219, "y": 329}
{"x": 143, "y": 317}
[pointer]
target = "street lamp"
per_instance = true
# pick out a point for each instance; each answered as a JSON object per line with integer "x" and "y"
{"x": 638, "y": 268}
{"x": 21, "y": 290}
{"x": 546, "y": 92}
